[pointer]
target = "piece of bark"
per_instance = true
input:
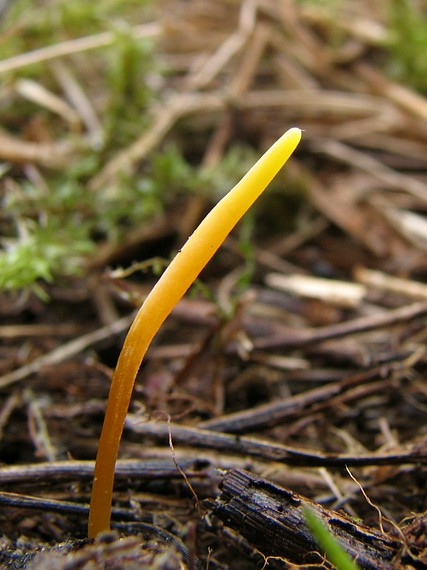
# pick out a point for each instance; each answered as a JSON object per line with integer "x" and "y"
{"x": 271, "y": 518}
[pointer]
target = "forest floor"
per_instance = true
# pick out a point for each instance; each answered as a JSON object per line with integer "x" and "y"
{"x": 294, "y": 372}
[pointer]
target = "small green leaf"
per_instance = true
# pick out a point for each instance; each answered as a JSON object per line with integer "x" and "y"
{"x": 333, "y": 550}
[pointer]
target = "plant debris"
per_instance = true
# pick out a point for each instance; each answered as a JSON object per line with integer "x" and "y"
{"x": 296, "y": 366}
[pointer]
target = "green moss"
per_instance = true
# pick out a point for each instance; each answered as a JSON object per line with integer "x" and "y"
{"x": 39, "y": 250}
{"x": 408, "y": 46}
{"x": 130, "y": 65}
{"x": 50, "y": 230}
{"x": 52, "y": 221}
{"x": 53, "y": 21}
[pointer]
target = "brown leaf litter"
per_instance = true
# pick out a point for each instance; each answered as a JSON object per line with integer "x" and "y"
{"x": 317, "y": 367}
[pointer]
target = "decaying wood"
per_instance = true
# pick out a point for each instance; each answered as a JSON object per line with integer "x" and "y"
{"x": 141, "y": 470}
{"x": 310, "y": 401}
{"x": 265, "y": 449}
{"x": 272, "y": 519}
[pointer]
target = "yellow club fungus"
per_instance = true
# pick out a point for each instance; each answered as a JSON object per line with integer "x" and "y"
{"x": 172, "y": 285}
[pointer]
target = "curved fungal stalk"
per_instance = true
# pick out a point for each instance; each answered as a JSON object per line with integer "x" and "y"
{"x": 172, "y": 285}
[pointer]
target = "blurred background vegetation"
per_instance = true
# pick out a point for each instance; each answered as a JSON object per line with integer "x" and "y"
{"x": 87, "y": 150}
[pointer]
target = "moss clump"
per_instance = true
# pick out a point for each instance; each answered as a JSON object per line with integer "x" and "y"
{"x": 408, "y": 47}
